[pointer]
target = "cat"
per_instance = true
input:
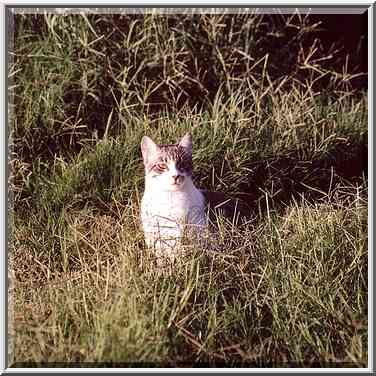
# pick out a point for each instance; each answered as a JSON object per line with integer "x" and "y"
{"x": 172, "y": 207}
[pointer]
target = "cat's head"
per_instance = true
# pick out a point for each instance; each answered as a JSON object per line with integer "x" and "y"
{"x": 168, "y": 166}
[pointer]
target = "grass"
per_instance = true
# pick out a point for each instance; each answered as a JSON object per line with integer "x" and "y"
{"x": 287, "y": 289}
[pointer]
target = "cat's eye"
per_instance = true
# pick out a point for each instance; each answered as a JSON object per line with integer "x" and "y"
{"x": 162, "y": 166}
{"x": 182, "y": 167}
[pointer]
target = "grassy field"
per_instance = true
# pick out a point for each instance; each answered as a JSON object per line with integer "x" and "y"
{"x": 274, "y": 122}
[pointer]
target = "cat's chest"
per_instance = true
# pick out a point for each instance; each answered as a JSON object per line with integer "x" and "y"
{"x": 173, "y": 206}
{"x": 167, "y": 206}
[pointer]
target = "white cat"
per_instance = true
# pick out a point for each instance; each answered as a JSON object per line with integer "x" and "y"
{"x": 171, "y": 207}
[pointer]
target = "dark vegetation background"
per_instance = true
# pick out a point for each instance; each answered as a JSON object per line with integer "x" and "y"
{"x": 277, "y": 105}
{"x": 340, "y": 40}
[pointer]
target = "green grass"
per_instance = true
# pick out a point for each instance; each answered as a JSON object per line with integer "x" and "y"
{"x": 288, "y": 288}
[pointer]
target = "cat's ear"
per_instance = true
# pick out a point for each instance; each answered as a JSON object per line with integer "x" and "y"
{"x": 186, "y": 142}
{"x": 148, "y": 148}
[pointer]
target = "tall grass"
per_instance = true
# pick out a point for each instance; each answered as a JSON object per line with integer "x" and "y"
{"x": 272, "y": 122}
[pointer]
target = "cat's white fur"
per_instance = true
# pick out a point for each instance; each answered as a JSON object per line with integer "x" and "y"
{"x": 170, "y": 211}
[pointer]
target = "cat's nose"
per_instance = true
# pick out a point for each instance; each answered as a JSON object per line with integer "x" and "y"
{"x": 176, "y": 178}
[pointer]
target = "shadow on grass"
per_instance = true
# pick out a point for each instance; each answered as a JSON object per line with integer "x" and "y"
{"x": 274, "y": 183}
